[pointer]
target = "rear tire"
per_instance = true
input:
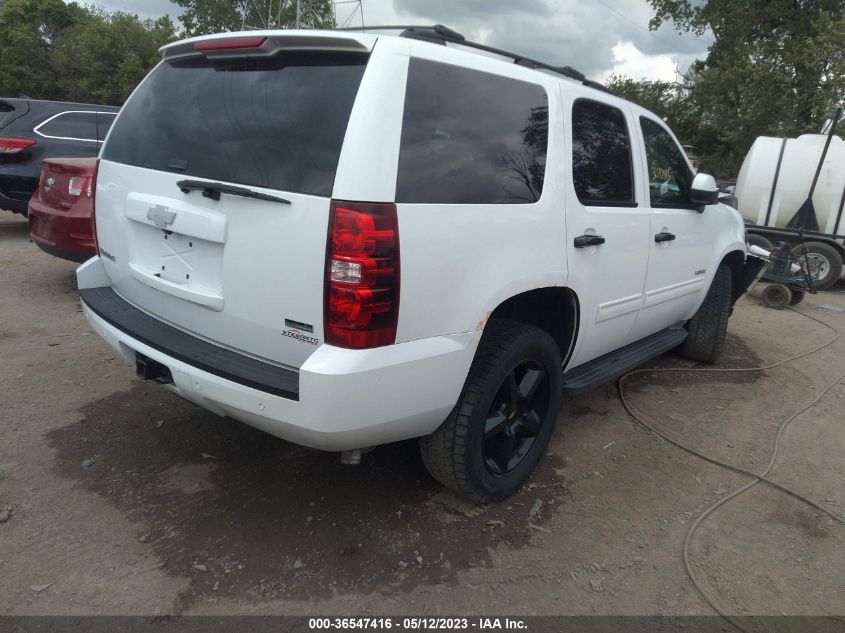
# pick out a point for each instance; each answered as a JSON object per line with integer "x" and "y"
{"x": 707, "y": 329}
{"x": 494, "y": 437}
{"x": 824, "y": 263}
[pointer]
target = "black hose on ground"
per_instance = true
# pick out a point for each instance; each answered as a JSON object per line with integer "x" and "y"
{"x": 756, "y": 478}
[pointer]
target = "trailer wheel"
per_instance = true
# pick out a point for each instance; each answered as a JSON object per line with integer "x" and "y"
{"x": 823, "y": 262}
{"x": 777, "y": 296}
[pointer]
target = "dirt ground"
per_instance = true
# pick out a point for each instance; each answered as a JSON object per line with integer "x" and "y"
{"x": 124, "y": 499}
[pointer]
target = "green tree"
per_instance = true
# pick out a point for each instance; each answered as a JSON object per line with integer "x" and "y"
{"x": 201, "y": 17}
{"x": 668, "y": 100}
{"x": 776, "y": 67}
{"x": 102, "y": 60}
{"x": 29, "y": 30}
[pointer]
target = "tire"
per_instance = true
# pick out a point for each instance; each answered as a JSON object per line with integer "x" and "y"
{"x": 778, "y": 296}
{"x": 758, "y": 240}
{"x": 459, "y": 454}
{"x": 825, "y": 263}
{"x": 708, "y": 327}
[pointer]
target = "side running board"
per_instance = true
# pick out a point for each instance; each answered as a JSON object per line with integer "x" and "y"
{"x": 611, "y": 366}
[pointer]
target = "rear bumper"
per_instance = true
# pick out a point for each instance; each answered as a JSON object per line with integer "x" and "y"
{"x": 65, "y": 233}
{"x": 61, "y": 253}
{"x": 346, "y": 398}
{"x": 12, "y": 204}
{"x": 16, "y": 187}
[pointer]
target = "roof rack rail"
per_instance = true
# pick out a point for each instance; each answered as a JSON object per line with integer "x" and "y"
{"x": 440, "y": 34}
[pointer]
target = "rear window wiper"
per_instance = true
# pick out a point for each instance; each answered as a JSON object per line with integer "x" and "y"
{"x": 214, "y": 189}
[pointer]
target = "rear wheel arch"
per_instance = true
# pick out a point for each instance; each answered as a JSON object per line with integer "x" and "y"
{"x": 554, "y": 310}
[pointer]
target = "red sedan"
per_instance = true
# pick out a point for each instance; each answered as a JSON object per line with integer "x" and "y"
{"x": 60, "y": 210}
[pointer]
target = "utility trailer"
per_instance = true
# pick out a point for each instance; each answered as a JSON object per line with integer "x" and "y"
{"x": 772, "y": 197}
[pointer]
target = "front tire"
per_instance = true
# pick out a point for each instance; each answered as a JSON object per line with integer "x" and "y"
{"x": 707, "y": 329}
{"x": 494, "y": 437}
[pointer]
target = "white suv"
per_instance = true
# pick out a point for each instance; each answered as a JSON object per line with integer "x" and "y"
{"x": 348, "y": 239}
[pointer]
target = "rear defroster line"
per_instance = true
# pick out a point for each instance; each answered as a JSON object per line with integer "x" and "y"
{"x": 640, "y": 417}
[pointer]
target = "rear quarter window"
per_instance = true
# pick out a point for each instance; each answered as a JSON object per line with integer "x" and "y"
{"x": 470, "y": 137}
{"x": 277, "y": 123}
{"x": 70, "y": 125}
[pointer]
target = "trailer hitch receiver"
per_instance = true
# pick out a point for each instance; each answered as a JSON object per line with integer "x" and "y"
{"x": 148, "y": 369}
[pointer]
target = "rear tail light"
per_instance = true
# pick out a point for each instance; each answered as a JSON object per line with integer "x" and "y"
{"x": 362, "y": 275}
{"x": 78, "y": 184}
{"x": 75, "y": 185}
{"x": 230, "y": 43}
{"x": 14, "y": 145}
{"x": 91, "y": 188}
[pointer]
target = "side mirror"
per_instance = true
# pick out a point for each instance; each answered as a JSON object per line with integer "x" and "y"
{"x": 704, "y": 190}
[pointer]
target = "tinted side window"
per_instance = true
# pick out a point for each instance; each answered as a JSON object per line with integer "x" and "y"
{"x": 470, "y": 137}
{"x": 274, "y": 122}
{"x": 601, "y": 155}
{"x": 669, "y": 176}
{"x": 71, "y": 125}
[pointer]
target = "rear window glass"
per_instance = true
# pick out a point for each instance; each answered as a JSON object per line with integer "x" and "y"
{"x": 71, "y": 125}
{"x": 470, "y": 137}
{"x": 277, "y": 123}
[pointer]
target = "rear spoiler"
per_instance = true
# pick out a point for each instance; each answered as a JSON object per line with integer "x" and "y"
{"x": 257, "y": 44}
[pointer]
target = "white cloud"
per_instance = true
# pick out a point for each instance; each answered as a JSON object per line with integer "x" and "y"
{"x": 628, "y": 60}
{"x": 597, "y": 37}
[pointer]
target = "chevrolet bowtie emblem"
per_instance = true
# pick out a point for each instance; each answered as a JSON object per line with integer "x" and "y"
{"x": 160, "y": 216}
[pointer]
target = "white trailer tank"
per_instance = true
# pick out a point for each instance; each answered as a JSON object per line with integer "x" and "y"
{"x": 776, "y": 175}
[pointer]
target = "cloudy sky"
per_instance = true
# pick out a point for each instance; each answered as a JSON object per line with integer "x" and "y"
{"x": 598, "y": 37}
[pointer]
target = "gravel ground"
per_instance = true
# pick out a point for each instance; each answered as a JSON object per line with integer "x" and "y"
{"x": 123, "y": 499}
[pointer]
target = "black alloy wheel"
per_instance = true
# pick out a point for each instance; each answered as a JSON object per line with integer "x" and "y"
{"x": 496, "y": 434}
{"x": 515, "y": 417}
